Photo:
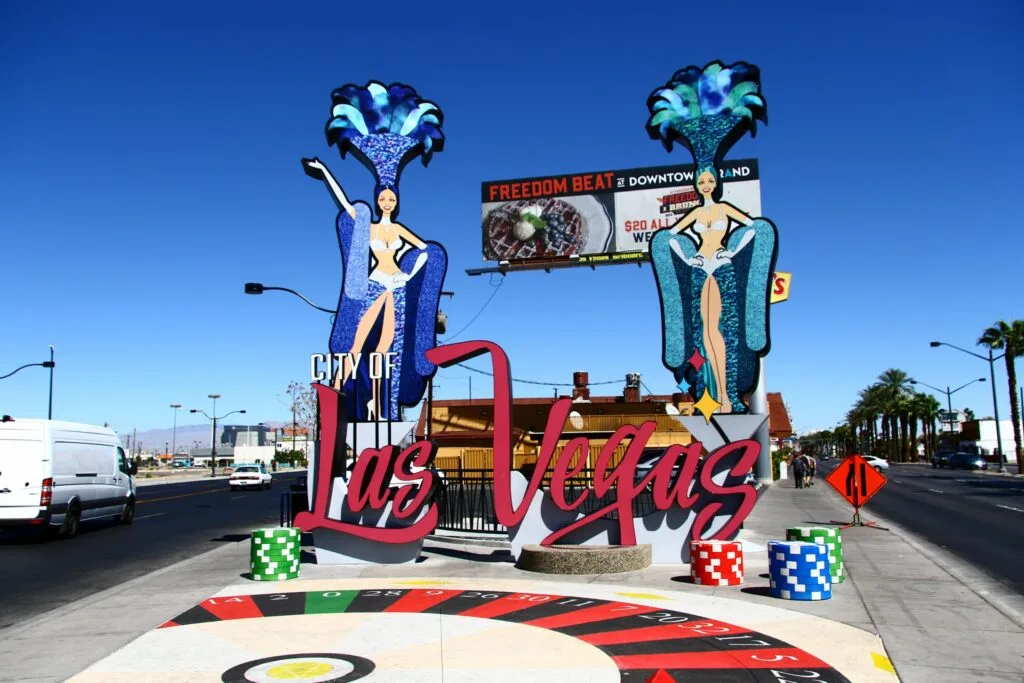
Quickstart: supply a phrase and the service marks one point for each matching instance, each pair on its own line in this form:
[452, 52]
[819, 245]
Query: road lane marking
[237, 497]
[155, 514]
[935, 491]
[1007, 507]
[183, 495]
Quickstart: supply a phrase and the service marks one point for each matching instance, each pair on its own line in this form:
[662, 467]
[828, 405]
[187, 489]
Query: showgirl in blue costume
[391, 278]
[714, 266]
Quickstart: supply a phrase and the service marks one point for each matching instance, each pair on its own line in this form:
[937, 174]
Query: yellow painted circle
[297, 670]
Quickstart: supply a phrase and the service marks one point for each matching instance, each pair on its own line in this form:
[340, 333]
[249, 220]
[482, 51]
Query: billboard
[599, 217]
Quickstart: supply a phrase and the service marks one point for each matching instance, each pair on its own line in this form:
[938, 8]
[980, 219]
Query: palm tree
[892, 384]
[928, 411]
[1010, 337]
[870, 405]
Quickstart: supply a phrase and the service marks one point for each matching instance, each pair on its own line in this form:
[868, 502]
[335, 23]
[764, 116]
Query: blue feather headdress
[707, 110]
[384, 127]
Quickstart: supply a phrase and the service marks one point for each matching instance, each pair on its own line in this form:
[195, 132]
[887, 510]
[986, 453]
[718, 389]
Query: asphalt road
[172, 522]
[978, 517]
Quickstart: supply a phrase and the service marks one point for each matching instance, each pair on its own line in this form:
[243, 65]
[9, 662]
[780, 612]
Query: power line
[478, 313]
[543, 384]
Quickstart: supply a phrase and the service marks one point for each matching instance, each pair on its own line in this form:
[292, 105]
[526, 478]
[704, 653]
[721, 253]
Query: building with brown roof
[463, 428]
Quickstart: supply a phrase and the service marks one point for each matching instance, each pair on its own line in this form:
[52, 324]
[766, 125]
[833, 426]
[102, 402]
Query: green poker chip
[284, 576]
[257, 551]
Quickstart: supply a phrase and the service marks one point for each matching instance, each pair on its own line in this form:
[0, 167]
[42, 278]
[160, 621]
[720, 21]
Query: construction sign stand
[856, 481]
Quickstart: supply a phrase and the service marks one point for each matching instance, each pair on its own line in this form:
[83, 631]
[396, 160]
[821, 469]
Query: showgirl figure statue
[714, 266]
[392, 278]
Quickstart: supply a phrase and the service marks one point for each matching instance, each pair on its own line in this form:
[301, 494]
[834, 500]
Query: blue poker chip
[811, 552]
[800, 571]
[810, 595]
[795, 547]
[786, 581]
[800, 588]
[799, 565]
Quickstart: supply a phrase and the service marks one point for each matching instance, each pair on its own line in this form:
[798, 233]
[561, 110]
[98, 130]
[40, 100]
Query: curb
[976, 580]
[81, 603]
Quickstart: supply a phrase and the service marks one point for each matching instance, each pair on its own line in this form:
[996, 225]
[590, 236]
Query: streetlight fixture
[174, 433]
[259, 288]
[45, 364]
[213, 440]
[995, 403]
[949, 400]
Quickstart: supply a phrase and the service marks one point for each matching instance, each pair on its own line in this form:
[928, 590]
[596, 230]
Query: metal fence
[465, 500]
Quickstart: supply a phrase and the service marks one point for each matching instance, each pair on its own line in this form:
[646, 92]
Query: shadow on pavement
[683, 579]
[230, 538]
[763, 591]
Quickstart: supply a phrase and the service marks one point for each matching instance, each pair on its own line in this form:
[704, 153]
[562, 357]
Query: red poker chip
[716, 563]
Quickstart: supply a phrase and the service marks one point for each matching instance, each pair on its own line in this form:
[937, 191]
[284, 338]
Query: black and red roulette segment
[639, 639]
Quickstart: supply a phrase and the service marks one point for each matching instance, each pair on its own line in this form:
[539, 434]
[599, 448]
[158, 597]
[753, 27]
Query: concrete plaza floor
[907, 609]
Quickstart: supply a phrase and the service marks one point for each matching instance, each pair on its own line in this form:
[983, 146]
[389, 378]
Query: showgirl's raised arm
[316, 169]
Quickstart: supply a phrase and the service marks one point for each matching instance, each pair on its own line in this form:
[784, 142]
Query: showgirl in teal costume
[714, 266]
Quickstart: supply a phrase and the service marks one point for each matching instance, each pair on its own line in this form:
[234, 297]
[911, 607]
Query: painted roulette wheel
[450, 634]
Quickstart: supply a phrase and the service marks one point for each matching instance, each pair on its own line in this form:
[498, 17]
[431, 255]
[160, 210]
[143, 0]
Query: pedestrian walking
[812, 467]
[799, 471]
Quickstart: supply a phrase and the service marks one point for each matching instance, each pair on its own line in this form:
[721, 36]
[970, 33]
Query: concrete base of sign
[584, 559]
[335, 547]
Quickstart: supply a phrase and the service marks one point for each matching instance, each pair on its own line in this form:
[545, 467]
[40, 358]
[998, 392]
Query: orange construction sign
[856, 480]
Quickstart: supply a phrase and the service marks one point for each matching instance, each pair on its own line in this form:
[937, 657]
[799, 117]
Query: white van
[58, 474]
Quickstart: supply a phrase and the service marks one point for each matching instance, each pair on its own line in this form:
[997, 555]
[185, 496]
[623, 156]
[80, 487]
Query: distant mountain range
[185, 436]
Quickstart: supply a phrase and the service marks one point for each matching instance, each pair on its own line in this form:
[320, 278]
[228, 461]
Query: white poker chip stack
[799, 571]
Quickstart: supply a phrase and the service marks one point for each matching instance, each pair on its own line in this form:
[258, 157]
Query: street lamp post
[995, 403]
[213, 440]
[49, 411]
[174, 432]
[45, 364]
[949, 401]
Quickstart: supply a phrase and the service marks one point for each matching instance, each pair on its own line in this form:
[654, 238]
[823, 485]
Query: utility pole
[174, 433]
[293, 428]
[49, 414]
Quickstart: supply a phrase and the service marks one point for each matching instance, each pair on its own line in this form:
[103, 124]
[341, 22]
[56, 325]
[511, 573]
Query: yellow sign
[780, 287]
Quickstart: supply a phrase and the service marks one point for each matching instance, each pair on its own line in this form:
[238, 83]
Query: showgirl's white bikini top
[715, 225]
[394, 245]
[720, 224]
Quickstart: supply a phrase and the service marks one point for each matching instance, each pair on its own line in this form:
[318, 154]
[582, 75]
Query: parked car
[250, 477]
[878, 463]
[941, 459]
[55, 475]
[966, 461]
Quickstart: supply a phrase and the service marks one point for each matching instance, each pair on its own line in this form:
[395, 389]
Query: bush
[290, 457]
[783, 454]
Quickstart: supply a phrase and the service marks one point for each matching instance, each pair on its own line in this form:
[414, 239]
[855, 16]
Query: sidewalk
[172, 477]
[937, 620]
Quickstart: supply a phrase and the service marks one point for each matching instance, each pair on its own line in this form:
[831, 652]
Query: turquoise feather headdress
[707, 110]
[385, 126]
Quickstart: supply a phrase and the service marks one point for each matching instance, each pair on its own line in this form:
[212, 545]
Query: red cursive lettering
[374, 468]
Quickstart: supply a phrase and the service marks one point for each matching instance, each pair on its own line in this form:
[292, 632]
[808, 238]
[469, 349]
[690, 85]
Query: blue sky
[149, 166]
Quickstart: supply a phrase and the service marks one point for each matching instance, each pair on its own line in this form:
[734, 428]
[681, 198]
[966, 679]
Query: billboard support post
[759, 406]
